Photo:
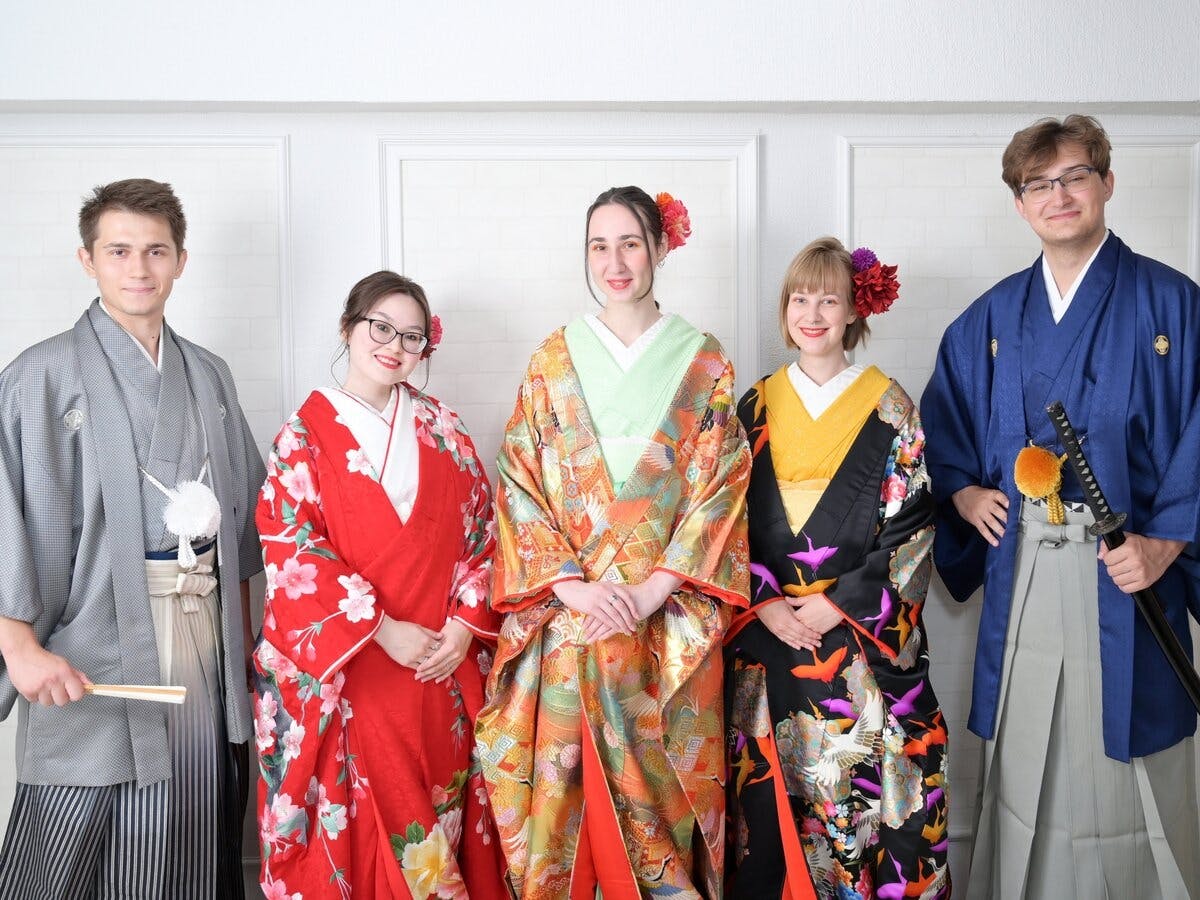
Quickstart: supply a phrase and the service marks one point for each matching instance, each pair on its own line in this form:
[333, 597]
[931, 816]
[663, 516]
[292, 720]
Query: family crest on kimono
[622, 555]
[1088, 785]
[837, 745]
[378, 534]
[127, 487]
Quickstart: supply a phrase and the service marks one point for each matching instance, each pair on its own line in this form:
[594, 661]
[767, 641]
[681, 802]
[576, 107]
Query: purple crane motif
[869, 786]
[934, 796]
[885, 613]
[840, 708]
[766, 579]
[894, 891]
[904, 706]
[813, 556]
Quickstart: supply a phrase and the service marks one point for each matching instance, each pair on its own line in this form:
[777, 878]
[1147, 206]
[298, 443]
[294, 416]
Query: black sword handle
[1108, 524]
[1108, 529]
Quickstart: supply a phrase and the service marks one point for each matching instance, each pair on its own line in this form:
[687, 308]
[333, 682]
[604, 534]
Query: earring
[662, 262]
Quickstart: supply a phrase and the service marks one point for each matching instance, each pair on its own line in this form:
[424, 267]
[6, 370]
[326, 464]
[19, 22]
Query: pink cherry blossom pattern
[359, 602]
[297, 578]
[299, 484]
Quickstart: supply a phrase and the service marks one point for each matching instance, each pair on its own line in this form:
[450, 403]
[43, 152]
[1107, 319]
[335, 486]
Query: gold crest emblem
[995, 345]
[1161, 345]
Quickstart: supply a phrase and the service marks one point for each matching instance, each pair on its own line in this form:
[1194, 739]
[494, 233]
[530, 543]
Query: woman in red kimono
[377, 535]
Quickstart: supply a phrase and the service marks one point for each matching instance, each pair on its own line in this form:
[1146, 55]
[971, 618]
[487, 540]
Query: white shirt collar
[624, 356]
[819, 397]
[1060, 303]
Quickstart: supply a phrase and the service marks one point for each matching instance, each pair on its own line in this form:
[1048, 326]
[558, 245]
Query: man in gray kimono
[128, 480]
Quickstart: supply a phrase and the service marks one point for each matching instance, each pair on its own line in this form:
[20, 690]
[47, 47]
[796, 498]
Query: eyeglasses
[1074, 181]
[384, 333]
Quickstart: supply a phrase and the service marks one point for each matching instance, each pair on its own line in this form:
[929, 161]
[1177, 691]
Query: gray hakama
[173, 838]
[1058, 818]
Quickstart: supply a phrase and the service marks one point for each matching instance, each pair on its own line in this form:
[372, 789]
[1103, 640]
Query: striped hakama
[175, 839]
[1058, 818]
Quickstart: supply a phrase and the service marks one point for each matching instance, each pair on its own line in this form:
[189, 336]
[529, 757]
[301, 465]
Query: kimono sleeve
[244, 454]
[709, 544]
[752, 410]
[471, 588]
[950, 405]
[534, 554]
[20, 597]
[882, 596]
[319, 612]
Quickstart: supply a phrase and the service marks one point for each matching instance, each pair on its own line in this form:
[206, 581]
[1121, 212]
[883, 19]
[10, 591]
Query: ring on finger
[613, 598]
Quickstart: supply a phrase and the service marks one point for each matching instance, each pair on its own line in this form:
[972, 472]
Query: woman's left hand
[648, 598]
[817, 612]
[439, 666]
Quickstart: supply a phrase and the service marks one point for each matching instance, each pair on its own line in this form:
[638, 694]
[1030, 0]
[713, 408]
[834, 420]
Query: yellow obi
[806, 452]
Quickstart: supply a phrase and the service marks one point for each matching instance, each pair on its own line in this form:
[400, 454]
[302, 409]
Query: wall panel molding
[740, 150]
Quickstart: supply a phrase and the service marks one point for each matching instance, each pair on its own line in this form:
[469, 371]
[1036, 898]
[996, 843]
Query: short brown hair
[823, 265]
[136, 195]
[1032, 149]
[370, 290]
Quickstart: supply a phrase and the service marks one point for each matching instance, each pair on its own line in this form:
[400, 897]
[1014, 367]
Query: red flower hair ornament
[435, 337]
[676, 224]
[875, 285]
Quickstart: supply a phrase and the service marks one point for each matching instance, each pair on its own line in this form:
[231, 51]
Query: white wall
[312, 145]
[288, 209]
[612, 52]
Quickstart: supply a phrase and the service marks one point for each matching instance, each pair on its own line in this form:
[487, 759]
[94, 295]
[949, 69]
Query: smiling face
[135, 263]
[1065, 220]
[817, 319]
[374, 367]
[619, 259]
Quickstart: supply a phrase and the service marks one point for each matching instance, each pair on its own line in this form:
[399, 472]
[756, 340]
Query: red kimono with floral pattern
[368, 779]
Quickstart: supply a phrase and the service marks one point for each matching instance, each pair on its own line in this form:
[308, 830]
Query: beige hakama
[1058, 818]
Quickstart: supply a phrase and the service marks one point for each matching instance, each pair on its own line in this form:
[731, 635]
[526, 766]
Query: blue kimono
[1125, 362]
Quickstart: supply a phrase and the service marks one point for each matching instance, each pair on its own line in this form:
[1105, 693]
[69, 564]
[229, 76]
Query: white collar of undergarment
[388, 439]
[819, 397]
[1059, 303]
[146, 353]
[624, 356]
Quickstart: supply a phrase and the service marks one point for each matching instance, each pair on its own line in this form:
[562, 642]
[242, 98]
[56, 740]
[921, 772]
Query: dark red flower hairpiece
[875, 285]
[435, 337]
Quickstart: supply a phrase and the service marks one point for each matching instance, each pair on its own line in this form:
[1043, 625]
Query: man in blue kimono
[128, 480]
[1088, 786]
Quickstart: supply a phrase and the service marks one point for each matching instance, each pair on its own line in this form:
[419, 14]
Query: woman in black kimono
[837, 744]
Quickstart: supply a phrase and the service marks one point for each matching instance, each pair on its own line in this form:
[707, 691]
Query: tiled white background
[228, 298]
[498, 247]
[944, 217]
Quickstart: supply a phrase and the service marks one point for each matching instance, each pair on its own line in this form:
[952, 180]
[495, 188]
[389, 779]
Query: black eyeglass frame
[1050, 182]
[405, 336]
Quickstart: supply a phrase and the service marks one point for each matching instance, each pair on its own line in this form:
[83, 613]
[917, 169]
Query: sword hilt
[1107, 522]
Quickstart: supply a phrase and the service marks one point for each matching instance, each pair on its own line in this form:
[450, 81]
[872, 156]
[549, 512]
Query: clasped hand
[615, 608]
[433, 655]
[800, 622]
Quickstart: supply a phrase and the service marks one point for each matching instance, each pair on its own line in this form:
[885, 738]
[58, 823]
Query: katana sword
[1108, 528]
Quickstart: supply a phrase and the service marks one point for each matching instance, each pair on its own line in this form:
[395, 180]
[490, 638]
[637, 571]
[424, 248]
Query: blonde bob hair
[823, 265]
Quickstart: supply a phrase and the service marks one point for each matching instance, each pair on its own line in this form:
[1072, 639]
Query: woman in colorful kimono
[377, 535]
[622, 556]
[837, 745]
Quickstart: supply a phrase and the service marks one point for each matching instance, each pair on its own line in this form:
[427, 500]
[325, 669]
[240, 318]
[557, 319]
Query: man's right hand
[38, 675]
[985, 509]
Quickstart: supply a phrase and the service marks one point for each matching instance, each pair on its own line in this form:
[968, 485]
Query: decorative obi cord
[184, 577]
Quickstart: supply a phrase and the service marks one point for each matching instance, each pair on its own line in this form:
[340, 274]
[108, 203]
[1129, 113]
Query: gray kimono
[72, 562]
